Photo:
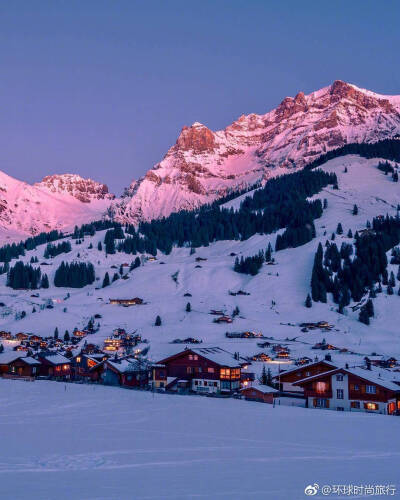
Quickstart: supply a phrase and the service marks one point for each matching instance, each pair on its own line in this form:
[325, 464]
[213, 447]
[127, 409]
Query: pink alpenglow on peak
[204, 165]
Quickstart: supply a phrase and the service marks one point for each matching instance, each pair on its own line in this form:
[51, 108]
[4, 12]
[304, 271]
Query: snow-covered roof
[9, 356]
[55, 359]
[265, 389]
[218, 355]
[378, 377]
[30, 361]
[308, 365]
[127, 365]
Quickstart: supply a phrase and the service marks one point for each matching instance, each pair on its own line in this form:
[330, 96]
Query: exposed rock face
[58, 202]
[84, 190]
[204, 165]
[197, 138]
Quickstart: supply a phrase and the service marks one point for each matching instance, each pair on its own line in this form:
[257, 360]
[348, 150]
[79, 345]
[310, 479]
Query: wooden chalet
[24, 367]
[223, 319]
[353, 389]
[127, 302]
[5, 335]
[261, 356]
[288, 378]
[6, 358]
[82, 364]
[54, 365]
[22, 336]
[381, 361]
[203, 370]
[127, 372]
[158, 378]
[260, 393]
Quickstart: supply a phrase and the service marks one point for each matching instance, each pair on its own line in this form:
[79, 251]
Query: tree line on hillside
[53, 250]
[25, 276]
[74, 275]
[387, 148]
[346, 278]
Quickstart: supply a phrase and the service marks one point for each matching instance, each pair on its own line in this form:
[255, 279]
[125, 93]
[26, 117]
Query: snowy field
[110, 443]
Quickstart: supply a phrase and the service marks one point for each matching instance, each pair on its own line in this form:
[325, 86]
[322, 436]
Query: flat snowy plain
[87, 442]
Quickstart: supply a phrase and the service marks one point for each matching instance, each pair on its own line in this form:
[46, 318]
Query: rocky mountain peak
[84, 190]
[197, 138]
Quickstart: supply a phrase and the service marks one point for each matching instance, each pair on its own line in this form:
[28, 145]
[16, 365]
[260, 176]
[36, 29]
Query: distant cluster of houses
[27, 342]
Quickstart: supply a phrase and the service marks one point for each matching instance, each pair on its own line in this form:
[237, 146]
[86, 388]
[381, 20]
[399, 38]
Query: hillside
[274, 306]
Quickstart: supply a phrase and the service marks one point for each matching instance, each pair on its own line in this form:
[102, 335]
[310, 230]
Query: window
[340, 408]
[322, 403]
[188, 369]
[339, 394]
[321, 387]
[370, 389]
[355, 404]
[225, 373]
[190, 357]
[371, 406]
[195, 357]
[78, 359]
[197, 369]
[308, 374]
[210, 369]
[205, 383]
[356, 387]
[339, 378]
[225, 384]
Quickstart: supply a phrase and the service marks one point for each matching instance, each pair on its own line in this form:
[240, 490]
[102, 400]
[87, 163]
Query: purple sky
[102, 88]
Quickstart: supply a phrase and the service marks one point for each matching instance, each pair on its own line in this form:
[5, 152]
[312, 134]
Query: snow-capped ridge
[203, 164]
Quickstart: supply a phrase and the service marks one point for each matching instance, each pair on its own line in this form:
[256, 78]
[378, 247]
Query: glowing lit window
[210, 369]
[371, 406]
[355, 404]
[78, 359]
[321, 387]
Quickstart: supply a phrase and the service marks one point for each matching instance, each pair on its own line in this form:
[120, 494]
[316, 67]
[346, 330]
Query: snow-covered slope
[58, 202]
[274, 307]
[204, 165]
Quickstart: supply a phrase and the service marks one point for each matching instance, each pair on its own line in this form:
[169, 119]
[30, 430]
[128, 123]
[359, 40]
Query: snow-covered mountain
[58, 202]
[204, 165]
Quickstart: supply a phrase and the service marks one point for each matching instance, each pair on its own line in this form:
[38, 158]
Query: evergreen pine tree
[355, 210]
[363, 316]
[188, 307]
[350, 234]
[66, 336]
[56, 333]
[263, 378]
[308, 302]
[158, 321]
[99, 246]
[106, 280]
[339, 229]
[390, 290]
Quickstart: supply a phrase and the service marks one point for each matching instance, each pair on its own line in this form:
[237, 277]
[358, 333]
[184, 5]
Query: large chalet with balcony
[353, 389]
[287, 379]
[208, 370]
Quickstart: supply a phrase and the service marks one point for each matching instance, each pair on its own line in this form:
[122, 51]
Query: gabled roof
[376, 377]
[265, 389]
[127, 365]
[55, 359]
[214, 354]
[8, 357]
[302, 367]
[29, 360]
